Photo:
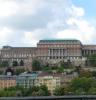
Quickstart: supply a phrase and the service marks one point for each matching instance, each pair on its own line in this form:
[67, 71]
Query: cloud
[29, 39]
[74, 34]
[72, 26]
[21, 7]
[32, 14]
[81, 24]
[79, 29]
[32, 20]
[5, 35]
[76, 11]
[7, 8]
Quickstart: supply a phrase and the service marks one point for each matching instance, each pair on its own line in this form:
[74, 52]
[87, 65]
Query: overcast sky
[25, 22]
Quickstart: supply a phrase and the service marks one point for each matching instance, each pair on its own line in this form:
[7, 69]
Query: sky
[25, 22]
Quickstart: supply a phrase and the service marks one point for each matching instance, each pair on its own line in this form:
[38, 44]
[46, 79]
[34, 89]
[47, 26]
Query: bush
[36, 65]
[18, 71]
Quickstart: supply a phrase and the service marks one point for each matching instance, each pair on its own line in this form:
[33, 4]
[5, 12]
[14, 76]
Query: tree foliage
[21, 63]
[81, 83]
[36, 66]
[15, 63]
[78, 86]
[20, 91]
[85, 73]
[4, 63]
[65, 65]
[19, 70]
[59, 91]
[92, 60]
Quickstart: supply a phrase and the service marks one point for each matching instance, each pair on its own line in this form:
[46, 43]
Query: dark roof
[6, 77]
[9, 70]
[72, 41]
[50, 74]
[89, 47]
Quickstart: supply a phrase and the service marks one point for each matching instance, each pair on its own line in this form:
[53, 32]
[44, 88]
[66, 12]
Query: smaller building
[50, 80]
[67, 78]
[9, 71]
[7, 81]
[54, 80]
[27, 80]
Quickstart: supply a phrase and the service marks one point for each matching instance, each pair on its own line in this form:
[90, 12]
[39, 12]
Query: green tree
[92, 91]
[5, 64]
[47, 69]
[34, 93]
[1, 72]
[7, 93]
[0, 63]
[2, 93]
[41, 92]
[80, 91]
[60, 69]
[44, 90]
[78, 69]
[81, 84]
[36, 66]
[92, 60]
[59, 91]
[21, 63]
[18, 93]
[18, 71]
[84, 73]
[65, 65]
[26, 92]
[15, 63]
[94, 73]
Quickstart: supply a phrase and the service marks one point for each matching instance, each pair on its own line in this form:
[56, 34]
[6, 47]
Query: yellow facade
[50, 81]
[53, 81]
[7, 82]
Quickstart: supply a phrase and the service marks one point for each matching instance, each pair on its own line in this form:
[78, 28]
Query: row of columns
[57, 52]
[88, 52]
[64, 52]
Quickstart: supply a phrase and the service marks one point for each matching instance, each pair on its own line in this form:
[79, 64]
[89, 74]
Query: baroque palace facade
[51, 51]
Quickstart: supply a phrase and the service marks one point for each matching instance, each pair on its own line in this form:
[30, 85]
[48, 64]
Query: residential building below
[27, 80]
[7, 81]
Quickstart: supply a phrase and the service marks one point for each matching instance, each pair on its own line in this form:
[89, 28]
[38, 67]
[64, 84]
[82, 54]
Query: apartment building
[27, 80]
[51, 81]
[55, 80]
[7, 81]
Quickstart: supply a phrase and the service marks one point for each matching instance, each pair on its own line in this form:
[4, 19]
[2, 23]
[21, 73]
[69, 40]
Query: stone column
[52, 53]
[59, 53]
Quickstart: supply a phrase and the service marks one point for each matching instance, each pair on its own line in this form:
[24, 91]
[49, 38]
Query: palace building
[51, 51]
